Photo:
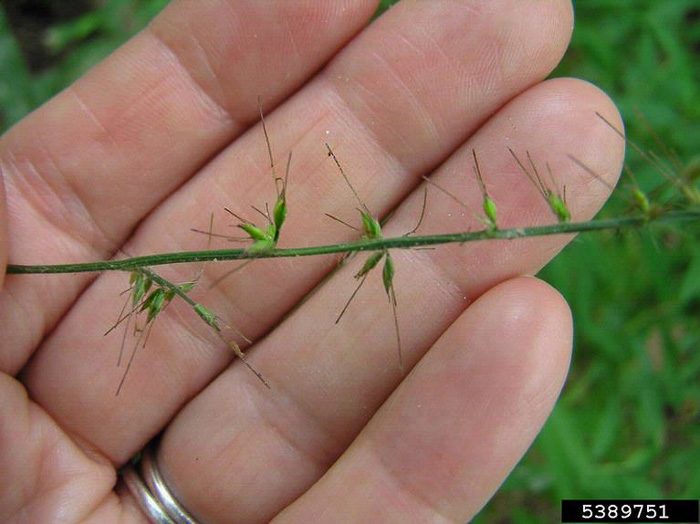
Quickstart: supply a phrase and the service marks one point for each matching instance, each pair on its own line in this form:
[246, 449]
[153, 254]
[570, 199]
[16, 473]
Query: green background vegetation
[628, 422]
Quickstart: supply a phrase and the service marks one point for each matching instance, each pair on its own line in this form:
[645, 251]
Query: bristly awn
[555, 200]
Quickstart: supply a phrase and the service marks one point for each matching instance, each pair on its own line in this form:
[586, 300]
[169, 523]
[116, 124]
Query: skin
[164, 132]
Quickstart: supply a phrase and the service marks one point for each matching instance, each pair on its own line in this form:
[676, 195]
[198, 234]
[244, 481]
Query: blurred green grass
[77, 44]
[628, 422]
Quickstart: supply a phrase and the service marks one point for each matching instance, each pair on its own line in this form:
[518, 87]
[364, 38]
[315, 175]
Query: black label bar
[630, 511]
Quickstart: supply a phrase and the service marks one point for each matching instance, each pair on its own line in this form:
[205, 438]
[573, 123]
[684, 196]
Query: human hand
[149, 143]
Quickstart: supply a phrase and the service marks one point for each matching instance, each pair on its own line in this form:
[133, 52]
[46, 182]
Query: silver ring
[158, 487]
[152, 494]
[147, 502]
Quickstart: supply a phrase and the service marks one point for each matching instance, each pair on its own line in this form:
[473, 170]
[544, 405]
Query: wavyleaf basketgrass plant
[150, 294]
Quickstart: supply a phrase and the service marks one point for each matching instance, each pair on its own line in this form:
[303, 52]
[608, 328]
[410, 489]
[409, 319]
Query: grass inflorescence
[150, 294]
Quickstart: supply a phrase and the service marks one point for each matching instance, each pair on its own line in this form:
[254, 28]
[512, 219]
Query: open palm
[166, 131]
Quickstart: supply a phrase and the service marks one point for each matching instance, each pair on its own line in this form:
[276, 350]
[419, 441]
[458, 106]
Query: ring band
[158, 487]
[151, 492]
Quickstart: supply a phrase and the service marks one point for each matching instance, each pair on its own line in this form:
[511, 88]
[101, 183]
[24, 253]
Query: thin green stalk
[402, 242]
